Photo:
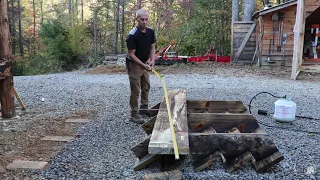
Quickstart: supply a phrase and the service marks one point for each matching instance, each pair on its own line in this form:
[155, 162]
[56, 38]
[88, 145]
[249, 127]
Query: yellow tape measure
[174, 139]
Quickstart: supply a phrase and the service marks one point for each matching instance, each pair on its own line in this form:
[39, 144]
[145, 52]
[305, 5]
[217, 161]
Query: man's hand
[151, 63]
[147, 67]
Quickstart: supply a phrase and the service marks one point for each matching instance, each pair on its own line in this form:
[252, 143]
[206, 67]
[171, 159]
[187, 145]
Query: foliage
[65, 45]
[65, 38]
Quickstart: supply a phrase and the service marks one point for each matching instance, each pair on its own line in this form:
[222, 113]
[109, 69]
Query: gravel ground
[103, 149]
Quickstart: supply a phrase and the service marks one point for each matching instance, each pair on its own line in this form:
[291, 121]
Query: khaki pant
[139, 83]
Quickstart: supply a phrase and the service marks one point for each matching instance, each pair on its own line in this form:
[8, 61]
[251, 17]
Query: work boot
[136, 118]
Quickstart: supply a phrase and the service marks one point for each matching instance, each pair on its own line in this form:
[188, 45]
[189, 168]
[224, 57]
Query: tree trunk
[116, 28]
[138, 4]
[6, 85]
[95, 35]
[82, 12]
[13, 28]
[34, 18]
[122, 27]
[20, 30]
[248, 9]
[41, 11]
[235, 10]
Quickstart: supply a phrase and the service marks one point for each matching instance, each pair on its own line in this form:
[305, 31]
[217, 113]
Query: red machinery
[209, 56]
[166, 56]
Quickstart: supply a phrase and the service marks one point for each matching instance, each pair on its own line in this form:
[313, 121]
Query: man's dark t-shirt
[141, 42]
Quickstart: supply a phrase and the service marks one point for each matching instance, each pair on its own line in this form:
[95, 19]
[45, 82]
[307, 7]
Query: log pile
[208, 131]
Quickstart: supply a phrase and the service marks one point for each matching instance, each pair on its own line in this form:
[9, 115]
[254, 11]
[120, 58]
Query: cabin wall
[311, 6]
[288, 26]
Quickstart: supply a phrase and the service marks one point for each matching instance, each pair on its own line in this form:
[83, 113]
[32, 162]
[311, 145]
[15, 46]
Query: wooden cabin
[272, 34]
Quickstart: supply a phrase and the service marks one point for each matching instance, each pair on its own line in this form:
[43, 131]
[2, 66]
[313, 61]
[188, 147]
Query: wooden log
[161, 138]
[221, 122]
[141, 149]
[239, 161]
[146, 160]
[215, 106]
[148, 126]
[168, 175]
[207, 161]
[7, 98]
[6, 84]
[267, 162]
[231, 145]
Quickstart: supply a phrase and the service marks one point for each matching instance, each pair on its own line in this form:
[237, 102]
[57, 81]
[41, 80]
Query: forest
[63, 35]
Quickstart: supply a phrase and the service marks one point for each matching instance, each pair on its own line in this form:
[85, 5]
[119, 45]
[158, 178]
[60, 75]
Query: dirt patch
[222, 69]
[107, 69]
[20, 138]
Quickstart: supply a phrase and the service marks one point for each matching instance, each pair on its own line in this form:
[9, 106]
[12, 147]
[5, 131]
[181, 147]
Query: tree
[116, 28]
[20, 30]
[122, 26]
[235, 10]
[6, 85]
[248, 9]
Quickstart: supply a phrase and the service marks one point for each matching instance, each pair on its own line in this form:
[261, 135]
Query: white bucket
[284, 110]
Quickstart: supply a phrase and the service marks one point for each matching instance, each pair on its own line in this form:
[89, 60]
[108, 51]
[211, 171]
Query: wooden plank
[239, 161]
[19, 164]
[276, 58]
[148, 126]
[221, 122]
[298, 39]
[168, 175]
[58, 138]
[141, 149]
[244, 42]
[267, 162]
[161, 138]
[231, 145]
[194, 106]
[207, 161]
[242, 26]
[146, 160]
[243, 22]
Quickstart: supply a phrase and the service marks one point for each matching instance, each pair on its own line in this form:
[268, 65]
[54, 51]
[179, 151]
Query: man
[141, 46]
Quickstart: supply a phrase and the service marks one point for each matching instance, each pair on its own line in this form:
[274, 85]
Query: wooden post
[6, 84]
[298, 39]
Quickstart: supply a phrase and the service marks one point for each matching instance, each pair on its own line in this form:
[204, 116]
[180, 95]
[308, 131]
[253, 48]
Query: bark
[20, 30]
[122, 26]
[116, 28]
[235, 10]
[34, 18]
[6, 85]
[41, 10]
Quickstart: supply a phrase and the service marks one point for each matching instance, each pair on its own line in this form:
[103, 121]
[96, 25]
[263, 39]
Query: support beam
[299, 28]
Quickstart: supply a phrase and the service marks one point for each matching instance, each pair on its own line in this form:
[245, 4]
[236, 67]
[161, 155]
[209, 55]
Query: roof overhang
[275, 8]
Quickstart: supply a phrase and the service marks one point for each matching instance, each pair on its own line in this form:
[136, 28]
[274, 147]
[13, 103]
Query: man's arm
[136, 59]
[152, 54]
